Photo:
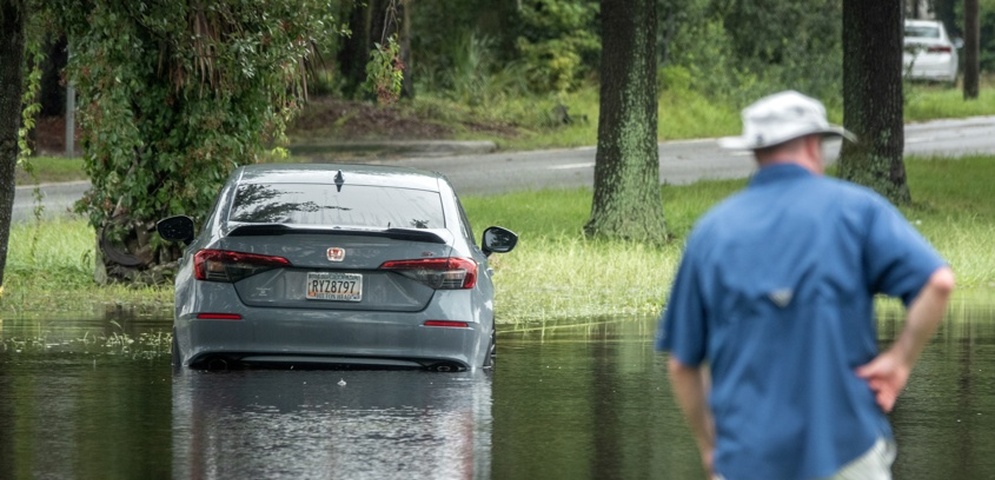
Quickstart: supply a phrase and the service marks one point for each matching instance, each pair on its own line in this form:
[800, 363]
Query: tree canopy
[173, 96]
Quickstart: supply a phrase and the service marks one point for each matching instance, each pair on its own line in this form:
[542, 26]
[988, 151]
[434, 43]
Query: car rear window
[353, 206]
[922, 31]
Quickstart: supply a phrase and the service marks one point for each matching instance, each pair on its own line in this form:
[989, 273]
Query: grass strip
[555, 274]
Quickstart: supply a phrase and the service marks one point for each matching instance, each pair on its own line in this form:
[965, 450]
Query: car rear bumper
[936, 69]
[295, 337]
[935, 74]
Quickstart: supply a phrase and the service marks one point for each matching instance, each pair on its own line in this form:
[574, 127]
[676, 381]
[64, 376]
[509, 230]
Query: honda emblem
[335, 254]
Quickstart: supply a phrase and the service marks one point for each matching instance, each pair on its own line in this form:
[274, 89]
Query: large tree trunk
[355, 51]
[627, 200]
[972, 47]
[12, 13]
[872, 97]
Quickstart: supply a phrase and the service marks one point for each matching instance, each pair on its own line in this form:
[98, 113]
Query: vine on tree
[385, 71]
[36, 34]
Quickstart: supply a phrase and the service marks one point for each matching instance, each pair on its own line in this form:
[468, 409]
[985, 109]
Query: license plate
[341, 287]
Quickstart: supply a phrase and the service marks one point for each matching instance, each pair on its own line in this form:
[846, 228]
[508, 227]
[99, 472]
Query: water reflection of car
[331, 425]
[929, 52]
[335, 264]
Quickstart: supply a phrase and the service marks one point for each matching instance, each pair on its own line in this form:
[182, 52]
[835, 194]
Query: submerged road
[681, 162]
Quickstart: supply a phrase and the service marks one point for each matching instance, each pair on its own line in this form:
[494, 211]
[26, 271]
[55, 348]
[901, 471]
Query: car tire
[491, 350]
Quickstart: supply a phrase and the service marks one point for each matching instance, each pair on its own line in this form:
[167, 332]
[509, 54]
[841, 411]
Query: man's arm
[888, 373]
[690, 386]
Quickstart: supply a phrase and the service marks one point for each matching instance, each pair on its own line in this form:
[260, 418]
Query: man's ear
[813, 149]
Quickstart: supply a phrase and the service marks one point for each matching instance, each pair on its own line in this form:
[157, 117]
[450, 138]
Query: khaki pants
[875, 464]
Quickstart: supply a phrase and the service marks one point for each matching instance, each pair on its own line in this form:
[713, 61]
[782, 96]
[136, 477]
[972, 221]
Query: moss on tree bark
[627, 201]
[872, 98]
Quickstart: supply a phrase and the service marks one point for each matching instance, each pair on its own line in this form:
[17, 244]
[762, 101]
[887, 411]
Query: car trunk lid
[336, 268]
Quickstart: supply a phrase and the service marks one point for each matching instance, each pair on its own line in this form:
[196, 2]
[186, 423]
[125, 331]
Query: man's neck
[805, 152]
[804, 161]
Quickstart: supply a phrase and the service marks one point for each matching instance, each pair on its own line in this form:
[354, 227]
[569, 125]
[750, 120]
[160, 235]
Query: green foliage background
[951, 13]
[731, 51]
[739, 51]
[174, 95]
[728, 50]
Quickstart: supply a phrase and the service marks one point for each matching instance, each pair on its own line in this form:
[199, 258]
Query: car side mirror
[958, 43]
[178, 228]
[498, 240]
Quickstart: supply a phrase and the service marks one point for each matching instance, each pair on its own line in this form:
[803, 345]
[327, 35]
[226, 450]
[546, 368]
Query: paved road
[57, 198]
[680, 162]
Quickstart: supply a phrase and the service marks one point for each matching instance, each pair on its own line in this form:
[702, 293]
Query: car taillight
[439, 273]
[446, 324]
[228, 266]
[940, 49]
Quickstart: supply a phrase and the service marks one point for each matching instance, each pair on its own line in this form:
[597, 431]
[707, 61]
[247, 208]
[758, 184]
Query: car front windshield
[325, 205]
[922, 31]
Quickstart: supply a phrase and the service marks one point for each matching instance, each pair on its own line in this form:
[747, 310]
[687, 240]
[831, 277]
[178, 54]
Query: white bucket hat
[781, 117]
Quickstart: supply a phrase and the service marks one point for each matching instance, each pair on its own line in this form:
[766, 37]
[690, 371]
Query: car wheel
[491, 350]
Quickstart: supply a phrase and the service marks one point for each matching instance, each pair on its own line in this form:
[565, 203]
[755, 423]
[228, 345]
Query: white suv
[929, 53]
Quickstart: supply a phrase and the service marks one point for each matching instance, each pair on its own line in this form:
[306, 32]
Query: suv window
[353, 206]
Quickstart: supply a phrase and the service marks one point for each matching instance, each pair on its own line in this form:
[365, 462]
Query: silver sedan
[303, 265]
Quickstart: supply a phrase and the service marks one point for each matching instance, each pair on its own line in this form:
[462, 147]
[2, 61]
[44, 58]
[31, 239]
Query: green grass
[49, 272]
[929, 102]
[691, 115]
[954, 209]
[49, 169]
[554, 274]
[682, 114]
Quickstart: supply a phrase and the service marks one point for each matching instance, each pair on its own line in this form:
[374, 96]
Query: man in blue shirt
[770, 323]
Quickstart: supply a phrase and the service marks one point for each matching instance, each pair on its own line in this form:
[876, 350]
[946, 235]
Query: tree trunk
[52, 96]
[355, 51]
[972, 49]
[872, 97]
[627, 200]
[12, 17]
[408, 82]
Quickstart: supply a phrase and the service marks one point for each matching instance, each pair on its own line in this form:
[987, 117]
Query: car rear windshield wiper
[410, 234]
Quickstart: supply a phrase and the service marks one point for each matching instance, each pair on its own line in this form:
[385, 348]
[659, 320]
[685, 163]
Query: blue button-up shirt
[776, 293]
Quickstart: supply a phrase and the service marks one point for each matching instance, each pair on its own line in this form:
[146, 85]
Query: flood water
[574, 403]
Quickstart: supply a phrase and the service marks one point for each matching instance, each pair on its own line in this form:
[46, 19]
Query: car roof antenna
[339, 181]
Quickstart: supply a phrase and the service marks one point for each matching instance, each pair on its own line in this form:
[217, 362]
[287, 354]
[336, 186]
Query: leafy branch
[385, 71]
